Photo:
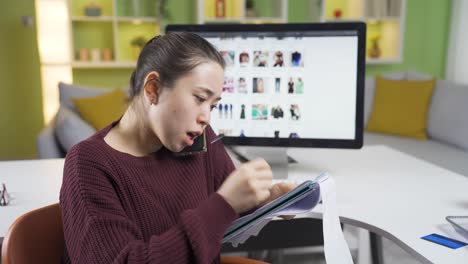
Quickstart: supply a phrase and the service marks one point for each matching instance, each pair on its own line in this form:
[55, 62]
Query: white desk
[387, 192]
[32, 184]
[392, 194]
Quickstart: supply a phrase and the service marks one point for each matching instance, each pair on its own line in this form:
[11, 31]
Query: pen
[217, 138]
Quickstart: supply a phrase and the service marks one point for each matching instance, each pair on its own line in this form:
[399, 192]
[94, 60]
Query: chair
[37, 237]
[239, 260]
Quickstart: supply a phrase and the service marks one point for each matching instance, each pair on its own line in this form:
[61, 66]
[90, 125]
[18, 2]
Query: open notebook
[300, 200]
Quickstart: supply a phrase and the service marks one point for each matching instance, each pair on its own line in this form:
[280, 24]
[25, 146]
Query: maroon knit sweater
[118, 208]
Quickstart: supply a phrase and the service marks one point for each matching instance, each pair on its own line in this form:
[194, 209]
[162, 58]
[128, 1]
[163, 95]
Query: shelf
[384, 61]
[367, 19]
[92, 34]
[92, 19]
[120, 23]
[77, 7]
[234, 11]
[384, 18]
[223, 20]
[389, 36]
[344, 20]
[263, 20]
[128, 31]
[249, 20]
[110, 19]
[385, 25]
[103, 64]
[137, 20]
[348, 10]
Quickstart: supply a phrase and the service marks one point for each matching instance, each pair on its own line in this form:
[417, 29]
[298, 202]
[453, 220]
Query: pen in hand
[220, 136]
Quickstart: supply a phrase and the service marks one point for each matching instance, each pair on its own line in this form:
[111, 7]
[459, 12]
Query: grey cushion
[448, 119]
[70, 128]
[47, 145]
[68, 91]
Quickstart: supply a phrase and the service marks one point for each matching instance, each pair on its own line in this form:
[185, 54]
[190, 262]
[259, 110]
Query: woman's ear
[152, 87]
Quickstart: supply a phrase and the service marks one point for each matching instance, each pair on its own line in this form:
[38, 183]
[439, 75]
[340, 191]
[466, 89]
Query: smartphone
[198, 146]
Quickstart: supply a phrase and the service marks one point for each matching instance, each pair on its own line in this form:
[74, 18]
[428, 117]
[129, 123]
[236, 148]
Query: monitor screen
[298, 85]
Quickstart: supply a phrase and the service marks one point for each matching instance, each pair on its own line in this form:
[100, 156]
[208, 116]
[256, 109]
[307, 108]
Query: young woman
[127, 198]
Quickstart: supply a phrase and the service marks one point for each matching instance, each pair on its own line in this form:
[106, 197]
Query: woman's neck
[131, 135]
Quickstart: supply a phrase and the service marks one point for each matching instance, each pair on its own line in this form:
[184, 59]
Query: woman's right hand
[248, 186]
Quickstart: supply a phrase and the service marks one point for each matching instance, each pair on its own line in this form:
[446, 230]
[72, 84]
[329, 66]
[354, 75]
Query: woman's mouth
[191, 136]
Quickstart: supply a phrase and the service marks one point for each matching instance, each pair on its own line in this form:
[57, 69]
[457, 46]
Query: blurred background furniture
[447, 127]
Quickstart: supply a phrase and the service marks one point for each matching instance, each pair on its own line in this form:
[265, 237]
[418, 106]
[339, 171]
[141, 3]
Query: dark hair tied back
[172, 56]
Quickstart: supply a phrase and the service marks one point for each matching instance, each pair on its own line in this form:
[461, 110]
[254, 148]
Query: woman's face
[183, 111]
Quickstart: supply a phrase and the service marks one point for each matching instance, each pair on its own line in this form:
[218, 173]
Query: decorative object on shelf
[375, 51]
[137, 44]
[95, 54]
[250, 10]
[220, 8]
[337, 13]
[106, 54]
[93, 9]
[83, 54]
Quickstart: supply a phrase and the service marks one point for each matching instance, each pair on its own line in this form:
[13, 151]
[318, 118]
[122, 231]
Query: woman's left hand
[278, 190]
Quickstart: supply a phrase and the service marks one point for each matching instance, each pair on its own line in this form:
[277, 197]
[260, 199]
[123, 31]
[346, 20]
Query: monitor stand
[277, 157]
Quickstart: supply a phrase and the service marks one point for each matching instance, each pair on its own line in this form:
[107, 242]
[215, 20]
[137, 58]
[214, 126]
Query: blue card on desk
[444, 241]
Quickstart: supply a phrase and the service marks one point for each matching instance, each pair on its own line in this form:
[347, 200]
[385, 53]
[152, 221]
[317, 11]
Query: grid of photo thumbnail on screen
[263, 58]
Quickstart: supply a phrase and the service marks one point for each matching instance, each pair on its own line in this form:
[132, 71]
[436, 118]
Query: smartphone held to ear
[198, 146]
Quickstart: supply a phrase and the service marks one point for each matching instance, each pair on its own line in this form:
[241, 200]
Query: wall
[20, 84]
[426, 35]
[457, 57]
[426, 38]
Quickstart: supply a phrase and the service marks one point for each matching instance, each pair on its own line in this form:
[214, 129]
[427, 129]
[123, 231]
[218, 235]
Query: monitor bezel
[358, 27]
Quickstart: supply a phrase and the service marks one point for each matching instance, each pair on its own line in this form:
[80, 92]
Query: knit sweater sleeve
[98, 230]
[221, 163]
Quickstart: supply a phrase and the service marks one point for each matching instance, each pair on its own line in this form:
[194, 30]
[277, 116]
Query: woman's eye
[200, 99]
[213, 107]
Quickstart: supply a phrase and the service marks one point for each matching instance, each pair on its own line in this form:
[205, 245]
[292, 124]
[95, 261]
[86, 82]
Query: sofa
[447, 124]
[67, 127]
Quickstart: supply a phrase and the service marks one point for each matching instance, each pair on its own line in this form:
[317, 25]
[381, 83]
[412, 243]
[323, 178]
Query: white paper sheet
[335, 246]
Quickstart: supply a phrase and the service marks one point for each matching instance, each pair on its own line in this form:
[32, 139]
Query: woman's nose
[204, 117]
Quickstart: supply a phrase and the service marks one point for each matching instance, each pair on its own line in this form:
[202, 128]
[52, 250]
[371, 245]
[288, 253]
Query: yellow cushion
[400, 107]
[101, 110]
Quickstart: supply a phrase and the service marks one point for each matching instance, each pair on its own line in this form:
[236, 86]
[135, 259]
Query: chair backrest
[35, 237]
[239, 260]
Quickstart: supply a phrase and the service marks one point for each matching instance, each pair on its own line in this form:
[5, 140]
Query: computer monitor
[289, 85]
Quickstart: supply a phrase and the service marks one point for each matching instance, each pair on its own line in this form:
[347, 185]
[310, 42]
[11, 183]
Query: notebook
[304, 197]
